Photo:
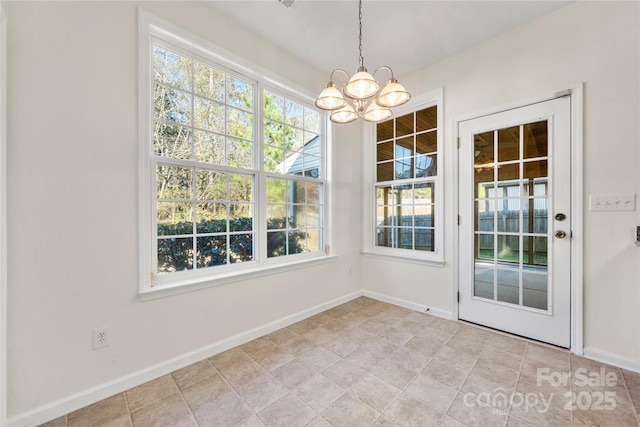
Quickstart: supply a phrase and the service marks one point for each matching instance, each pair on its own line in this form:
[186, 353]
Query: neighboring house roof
[297, 163]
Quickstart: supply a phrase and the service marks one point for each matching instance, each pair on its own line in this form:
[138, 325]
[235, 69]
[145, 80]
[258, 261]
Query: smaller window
[406, 190]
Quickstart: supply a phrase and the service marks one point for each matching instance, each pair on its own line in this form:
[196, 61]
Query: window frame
[153, 30]
[435, 257]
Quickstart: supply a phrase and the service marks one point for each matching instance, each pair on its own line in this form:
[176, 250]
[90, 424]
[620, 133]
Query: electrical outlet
[101, 337]
[611, 202]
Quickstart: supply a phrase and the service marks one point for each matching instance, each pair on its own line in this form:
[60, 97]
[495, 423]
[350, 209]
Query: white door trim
[575, 93]
[3, 216]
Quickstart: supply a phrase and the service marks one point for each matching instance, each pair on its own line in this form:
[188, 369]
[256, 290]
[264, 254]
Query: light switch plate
[612, 202]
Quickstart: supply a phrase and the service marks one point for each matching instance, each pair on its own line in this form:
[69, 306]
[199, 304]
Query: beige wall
[72, 184]
[592, 42]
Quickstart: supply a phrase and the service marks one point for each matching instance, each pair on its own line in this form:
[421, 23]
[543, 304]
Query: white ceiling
[405, 35]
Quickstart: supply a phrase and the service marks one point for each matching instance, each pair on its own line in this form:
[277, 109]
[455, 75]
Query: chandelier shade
[345, 114]
[362, 85]
[361, 96]
[330, 98]
[376, 113]
[393, 94]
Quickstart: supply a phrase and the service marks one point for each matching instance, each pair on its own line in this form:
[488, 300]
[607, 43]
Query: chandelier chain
[360, 32]
[361, 96]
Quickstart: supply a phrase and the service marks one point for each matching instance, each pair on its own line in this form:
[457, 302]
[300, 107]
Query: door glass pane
[536, 169]
[485, 215]
[540, 250]
[508, 215]
[511, 215]
[535, 140]
[484, 182]
[484, 278]
[534, 292]
[483, 149]
[508, 285]
[508, 248]
[509, 144]
[508, 176]
[484, 247]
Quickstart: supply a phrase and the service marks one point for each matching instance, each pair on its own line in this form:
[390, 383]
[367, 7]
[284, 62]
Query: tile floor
[368, 363]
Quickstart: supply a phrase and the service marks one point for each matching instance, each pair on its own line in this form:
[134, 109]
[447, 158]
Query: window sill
[260, 270]
[432, 262]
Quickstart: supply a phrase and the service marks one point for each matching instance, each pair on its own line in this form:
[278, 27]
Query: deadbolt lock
[560, 217]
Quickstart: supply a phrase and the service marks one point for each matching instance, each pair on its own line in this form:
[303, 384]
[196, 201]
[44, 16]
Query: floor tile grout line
[515, 389]
[571, 371]
[403, 390]
[459, 388]
[386, 357]
[348, 390]
[126, 401]
[292, 390]
[187, 403]
[170, 375]
[573, 363]
[478, 356]
[633, 405]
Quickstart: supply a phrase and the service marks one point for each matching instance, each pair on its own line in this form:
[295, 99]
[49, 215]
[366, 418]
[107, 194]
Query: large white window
[232, 169]
[403, 176]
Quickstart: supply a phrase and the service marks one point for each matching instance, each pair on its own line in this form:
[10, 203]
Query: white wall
[72, 154]
[72, 180]
[592, 42]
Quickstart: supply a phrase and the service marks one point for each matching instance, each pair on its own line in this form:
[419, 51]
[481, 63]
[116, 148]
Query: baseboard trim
[612, 359]
[74, 402]
[95, 394]
[408, 304]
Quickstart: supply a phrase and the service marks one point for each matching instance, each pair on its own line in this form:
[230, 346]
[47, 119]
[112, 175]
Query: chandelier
[361, 95]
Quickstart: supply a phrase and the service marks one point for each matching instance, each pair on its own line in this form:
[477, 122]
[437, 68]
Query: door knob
[560, 234]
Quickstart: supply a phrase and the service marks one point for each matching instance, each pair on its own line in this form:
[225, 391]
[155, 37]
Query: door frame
[576, 95]
[3, 215]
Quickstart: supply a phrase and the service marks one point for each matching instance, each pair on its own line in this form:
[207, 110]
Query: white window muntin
[436, 257]
[156, 160]
[155, 30]
[320, 180]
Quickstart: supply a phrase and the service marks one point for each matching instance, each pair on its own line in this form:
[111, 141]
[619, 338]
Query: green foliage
[176, 254]
[277, 135]
[204, 114]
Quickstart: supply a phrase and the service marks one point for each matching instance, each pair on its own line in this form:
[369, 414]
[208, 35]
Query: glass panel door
[511, 214]
[515, 221]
